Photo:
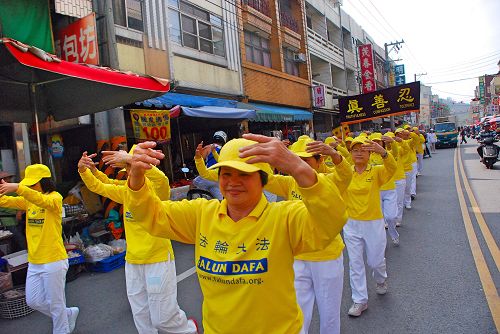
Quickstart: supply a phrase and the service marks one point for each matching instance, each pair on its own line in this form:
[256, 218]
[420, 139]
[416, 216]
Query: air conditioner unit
[299, 57]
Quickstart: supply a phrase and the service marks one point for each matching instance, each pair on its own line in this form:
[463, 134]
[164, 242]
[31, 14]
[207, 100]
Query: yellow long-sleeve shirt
[420, 146]
[43, 223]
[411, 156]
[286, 187]
[142, 248]
[400, 160]
[245, 268]
[363, 194]
[158, 178]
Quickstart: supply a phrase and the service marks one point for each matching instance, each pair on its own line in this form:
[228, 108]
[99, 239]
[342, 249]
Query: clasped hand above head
[372, 146]
[274, 152]
[144, 158]
[86, 162]
[318, 147]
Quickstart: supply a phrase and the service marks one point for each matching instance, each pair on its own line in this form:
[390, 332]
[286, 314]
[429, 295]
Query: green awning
[271, 113]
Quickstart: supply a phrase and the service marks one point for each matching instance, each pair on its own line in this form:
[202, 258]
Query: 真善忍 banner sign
[381, 103]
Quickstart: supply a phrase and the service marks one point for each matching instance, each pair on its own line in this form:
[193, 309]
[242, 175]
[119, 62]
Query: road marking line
[489, 288]
[186, 274]
[490, 241]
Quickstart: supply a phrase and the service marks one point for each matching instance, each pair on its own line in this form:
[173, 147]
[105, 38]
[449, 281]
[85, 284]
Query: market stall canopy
[33, 81]
[271, 113]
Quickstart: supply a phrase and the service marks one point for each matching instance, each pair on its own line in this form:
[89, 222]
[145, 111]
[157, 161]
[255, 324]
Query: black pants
[480, 150]
[463, 140]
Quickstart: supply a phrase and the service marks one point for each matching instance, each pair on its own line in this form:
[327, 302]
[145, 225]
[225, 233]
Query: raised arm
[201, 167]
[10, 201]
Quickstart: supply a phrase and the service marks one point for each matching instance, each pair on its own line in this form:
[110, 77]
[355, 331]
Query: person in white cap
[244, 245]
[47, 257]
[210, 153]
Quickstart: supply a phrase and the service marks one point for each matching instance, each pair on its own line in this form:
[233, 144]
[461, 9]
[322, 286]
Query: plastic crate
[109, 264]
[15, 307]
[76, 260]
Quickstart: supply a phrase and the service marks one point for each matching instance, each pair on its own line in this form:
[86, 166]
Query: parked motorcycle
[490, 152]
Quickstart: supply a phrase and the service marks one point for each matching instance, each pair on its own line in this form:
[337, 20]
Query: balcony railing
[287, 20]
[261, 6]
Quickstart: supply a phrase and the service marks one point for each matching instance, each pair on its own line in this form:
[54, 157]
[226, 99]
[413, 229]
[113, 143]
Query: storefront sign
[56, 146]
[382, 103]
[319, 96]
[481, 89]
[399, 70]
[400, 80]
[367, 68]
[78, 41]
[151, 124]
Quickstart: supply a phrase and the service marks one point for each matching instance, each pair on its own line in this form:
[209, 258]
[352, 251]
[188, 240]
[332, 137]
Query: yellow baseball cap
[329, 140]
[34, 173]
[375, 136]
[359, 140]
[415, 128]
[229, 157]
[300, 146]
[363, 134]
[349, 139]
[398, 130]
[406, 127]
[390, 134]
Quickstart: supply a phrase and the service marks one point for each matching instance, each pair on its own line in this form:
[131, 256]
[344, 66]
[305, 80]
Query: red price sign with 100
[155, 132]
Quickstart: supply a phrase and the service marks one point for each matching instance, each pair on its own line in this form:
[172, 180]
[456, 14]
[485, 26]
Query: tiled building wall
[74, 8]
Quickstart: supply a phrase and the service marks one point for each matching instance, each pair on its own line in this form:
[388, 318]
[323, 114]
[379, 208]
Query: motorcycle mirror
[185, 170]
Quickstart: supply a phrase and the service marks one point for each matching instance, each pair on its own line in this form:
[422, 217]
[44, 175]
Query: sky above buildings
[453, 41]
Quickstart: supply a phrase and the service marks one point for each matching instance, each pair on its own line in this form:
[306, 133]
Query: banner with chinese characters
[78, 41]
[318, 96]
[341, 131]
[151, 124]
[367, 68]
[382, 103]
[481, 89]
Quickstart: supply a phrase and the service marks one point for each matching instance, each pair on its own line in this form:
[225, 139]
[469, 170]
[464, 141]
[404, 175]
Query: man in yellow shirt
[400, 176]
[420, 152]
[364, 231]
[319, 276]
[388, 194]
[150, 267]
[244, 246]
[413, 141]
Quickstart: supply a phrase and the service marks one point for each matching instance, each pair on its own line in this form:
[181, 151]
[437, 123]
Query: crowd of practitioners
[268, 249]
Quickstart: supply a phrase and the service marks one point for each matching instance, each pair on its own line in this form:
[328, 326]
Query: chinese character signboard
[400, 80]
[399, 70]
[151, 124]
[481, 89]
[319, 96]
[367, 68]
[382, 103]
[78, 41]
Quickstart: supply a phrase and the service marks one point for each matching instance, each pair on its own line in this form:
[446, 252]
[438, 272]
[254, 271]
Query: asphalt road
[434, 285]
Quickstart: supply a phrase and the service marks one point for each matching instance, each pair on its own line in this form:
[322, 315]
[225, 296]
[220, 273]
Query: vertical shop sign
[367, 68]
[481, 89]
[151, 124]
[319, 96]
[78, 41]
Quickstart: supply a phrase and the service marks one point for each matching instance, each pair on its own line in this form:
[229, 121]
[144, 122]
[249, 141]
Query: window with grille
[291, 66]
[257, 49]
[195, 28]
[128, 13]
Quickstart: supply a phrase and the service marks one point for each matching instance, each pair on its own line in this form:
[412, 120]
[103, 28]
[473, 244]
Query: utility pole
[338, 3]
[419, 75]
[388, 68]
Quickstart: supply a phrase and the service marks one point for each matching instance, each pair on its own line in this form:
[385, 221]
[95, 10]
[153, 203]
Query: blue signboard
[401, 80]
[399, 70]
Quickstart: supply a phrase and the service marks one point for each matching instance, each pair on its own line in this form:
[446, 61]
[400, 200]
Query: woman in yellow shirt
[244, 245]
[47, 258]
[364, 231]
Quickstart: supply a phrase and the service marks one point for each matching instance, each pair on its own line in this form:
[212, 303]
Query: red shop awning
[32, 80]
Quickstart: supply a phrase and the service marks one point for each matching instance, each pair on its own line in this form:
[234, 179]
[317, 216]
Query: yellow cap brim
[239, 165]
[30, 181]
[304, 154]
